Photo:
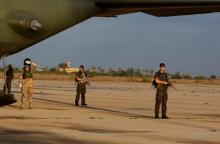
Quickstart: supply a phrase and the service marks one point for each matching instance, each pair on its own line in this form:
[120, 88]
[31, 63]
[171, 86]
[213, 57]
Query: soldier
[81, 80]
[162, 81]
[26, 80]
[9, 78]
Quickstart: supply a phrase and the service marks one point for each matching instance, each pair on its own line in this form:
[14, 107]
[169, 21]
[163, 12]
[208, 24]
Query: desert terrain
[117, 113]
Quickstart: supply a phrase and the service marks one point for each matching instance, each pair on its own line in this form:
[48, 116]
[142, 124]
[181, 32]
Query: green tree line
[123, 72]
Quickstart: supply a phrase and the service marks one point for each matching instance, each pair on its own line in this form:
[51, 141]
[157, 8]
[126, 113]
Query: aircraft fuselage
[26, 22]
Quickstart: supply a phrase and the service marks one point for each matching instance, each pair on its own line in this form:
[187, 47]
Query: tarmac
[117, 113]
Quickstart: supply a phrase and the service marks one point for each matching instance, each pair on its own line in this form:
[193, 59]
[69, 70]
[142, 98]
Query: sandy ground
[118, 113]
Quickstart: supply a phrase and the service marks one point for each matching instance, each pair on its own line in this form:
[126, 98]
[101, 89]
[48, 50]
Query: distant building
[68, 68]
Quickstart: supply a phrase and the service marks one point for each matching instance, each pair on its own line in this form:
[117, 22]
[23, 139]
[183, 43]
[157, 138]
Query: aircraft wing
[157, 7]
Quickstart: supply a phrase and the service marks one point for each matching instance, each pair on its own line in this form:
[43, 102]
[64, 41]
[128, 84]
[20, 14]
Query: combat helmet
[27, 62]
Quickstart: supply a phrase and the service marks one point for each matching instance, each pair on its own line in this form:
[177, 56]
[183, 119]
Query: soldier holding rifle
[161, 82]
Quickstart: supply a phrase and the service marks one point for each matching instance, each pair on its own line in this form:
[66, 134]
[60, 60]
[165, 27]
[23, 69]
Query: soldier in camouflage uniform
[163, 83]
[81, 80]
[26, 80]
[9, 78]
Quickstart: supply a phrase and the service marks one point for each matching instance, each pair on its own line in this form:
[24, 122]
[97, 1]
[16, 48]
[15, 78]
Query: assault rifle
[170, 84]
[86, 81]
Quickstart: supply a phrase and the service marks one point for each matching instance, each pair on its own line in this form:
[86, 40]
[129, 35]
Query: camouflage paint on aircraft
[26, 22]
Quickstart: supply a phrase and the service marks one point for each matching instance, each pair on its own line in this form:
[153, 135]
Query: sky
[189, 44]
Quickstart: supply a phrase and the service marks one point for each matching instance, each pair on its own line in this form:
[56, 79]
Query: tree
[121, 72]
[213, 77]
[53, 69]
[146, 72]
[112, 72]
[16, 69]
[130, 71]
[137, 72]
[177, 75]
[45, 69]
[93, 68]
[63, 65]
[151, 72]
[187, 76]
[101, 70]
[200, 77]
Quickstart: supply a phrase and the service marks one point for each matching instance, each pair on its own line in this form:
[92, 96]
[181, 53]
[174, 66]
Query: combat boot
[30, 106]
[22, 106]
[165, 117]
[85, 105]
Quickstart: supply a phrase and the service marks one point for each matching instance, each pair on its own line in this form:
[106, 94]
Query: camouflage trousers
[7, 86]
[26, 90]
[81, 91]
[161, 98]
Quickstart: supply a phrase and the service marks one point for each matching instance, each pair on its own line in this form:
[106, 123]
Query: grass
[65, 76]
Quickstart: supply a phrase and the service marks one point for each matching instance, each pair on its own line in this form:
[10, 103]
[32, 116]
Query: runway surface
[117, 113]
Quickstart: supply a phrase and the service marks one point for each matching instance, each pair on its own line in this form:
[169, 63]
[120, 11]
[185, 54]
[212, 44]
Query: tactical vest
[82, 76]
[27, 74]
[162, 77]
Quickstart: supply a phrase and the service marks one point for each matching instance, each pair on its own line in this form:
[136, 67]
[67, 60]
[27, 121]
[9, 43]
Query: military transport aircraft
[26, 22]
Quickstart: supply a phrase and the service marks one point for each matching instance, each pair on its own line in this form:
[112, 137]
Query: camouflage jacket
[162, 77]
[81, 76]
